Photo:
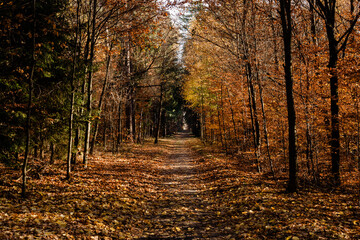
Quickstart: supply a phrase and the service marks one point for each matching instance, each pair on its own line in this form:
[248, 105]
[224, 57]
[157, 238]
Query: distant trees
[235, 58]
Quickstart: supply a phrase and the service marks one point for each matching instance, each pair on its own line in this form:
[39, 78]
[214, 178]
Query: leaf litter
[178, 189]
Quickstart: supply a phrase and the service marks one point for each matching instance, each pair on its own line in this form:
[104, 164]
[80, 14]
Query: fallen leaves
[259, 209]
[155, 191]
[104, 201]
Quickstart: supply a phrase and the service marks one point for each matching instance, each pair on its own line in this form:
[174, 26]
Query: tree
[28, 115]
[337, 43]
[286, 23]
[72, 85]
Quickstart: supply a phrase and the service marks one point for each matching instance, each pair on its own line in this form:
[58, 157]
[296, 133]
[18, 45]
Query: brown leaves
[256, 208]
[99, 201]
[161, 191]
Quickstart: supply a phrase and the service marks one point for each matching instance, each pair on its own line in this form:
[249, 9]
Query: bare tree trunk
[220, 130]
[52, 152]
[254, 119]
[285, 13]
[266, 137]
[71, 120]
[41, 142]
[158, 123]
[223, 116]
[119, 138]
[28, 117]
[108, 60]
[104, 132]
[89, 87]
[72, 96]
[233, 118]
[76, 145]
[140, 132]
[202, 118]
[336, 43]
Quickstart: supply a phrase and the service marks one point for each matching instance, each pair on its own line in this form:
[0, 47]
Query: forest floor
[178, 189]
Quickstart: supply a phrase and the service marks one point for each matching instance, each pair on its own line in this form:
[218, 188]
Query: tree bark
[52, 152]
[253, 114]
[285, 13]
[72, 96]
[266, 135]
[233, 118]
[328, 11]
[28, 115]
[108, 60]
[119, 137]
[158, 123]
[89, 87]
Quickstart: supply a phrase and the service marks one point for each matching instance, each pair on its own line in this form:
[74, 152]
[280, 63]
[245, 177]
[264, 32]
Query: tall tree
[72, 85]
[337, 43]
[286, 24]
[90, 82]
[28, 117]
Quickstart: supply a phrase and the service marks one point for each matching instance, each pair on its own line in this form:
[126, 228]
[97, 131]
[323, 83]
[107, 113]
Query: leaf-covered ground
[175, 190]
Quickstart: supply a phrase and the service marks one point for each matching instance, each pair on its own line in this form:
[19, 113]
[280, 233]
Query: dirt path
[181, 210]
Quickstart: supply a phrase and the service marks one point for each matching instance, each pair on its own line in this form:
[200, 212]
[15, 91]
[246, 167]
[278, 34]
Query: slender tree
[72, 94]
[285, 14]
[28, 117]
[102, 96]
[90, 83]
[158, 117]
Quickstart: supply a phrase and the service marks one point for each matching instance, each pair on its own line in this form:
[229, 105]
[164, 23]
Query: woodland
[179, 119]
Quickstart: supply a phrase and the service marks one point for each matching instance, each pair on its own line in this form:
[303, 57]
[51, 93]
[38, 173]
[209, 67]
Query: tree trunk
[285, 13]
[104, 132]
[158, 123]
[266, 137]
[334, 95]
[28, 115]
[72, 97]
[223, 116]
[52, 153]
[233, 118]
[71, 120]
[202, 118]
[108, 60]
[140, 132]
[89, 87]
[220, 130]
[253, 114]
[335, 130]
[328, 11]
[76, 145]
[119, 137]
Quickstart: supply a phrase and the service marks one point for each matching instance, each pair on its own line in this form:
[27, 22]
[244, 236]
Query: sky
[176, 12]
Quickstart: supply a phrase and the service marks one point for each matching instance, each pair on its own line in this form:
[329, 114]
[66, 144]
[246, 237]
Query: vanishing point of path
[181, 209]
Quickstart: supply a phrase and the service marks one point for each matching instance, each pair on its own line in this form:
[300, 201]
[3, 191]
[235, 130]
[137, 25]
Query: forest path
[181, 209]
[177, 189]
